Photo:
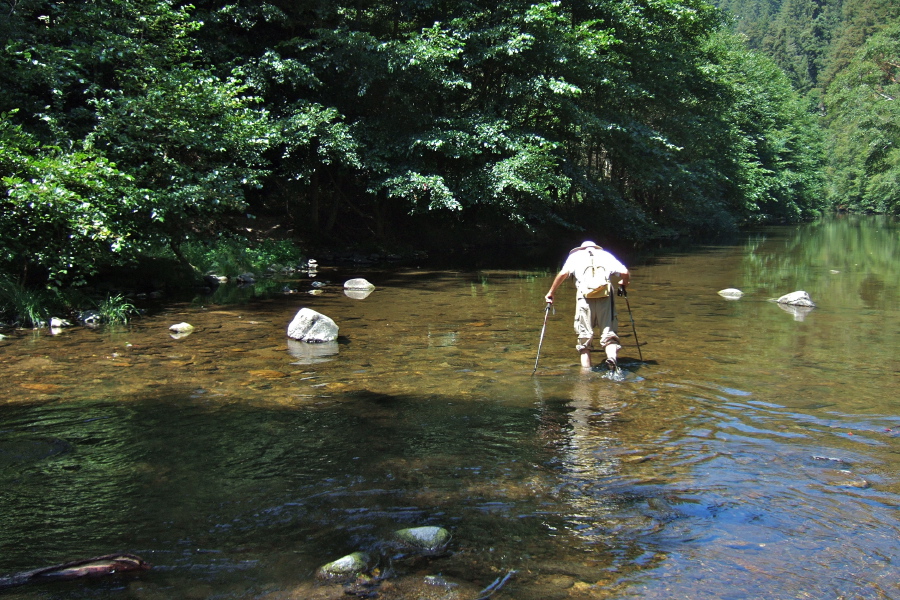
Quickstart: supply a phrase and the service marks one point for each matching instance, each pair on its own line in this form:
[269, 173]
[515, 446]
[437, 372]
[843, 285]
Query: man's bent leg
[609, 341]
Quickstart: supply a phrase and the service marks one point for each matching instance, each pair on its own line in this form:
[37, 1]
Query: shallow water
[752, 453]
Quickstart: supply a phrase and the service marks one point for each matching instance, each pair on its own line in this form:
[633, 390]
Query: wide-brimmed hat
[585, 244]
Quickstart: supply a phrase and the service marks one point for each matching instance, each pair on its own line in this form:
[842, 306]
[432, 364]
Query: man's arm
[560, 277]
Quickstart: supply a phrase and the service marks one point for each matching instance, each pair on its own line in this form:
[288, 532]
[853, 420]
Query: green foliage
[194, 143]
[116, 309]
[148, 124]
[865, 120]
[778, 172]
[23, 306]
[233, 256]
[34, 307]
[840, 52]
[59, 209]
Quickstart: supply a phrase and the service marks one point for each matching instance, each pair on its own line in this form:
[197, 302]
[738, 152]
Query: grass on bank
[22, 306]
[26, 307]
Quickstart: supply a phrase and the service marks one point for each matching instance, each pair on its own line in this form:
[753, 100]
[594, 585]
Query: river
[752, 453]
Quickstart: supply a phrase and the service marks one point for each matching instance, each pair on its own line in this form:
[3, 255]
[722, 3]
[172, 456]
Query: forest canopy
[130, 127]
[844, 57]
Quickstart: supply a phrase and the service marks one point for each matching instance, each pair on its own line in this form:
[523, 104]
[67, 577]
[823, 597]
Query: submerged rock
[357, 294]
[313, 327]
[731, 293]
[424, 539]
[90, 318]
[799, 312]
[348, 567]
[310, 354]
[799, 298]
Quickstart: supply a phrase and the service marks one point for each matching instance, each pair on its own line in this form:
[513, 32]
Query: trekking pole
[624, 292]
[541, 342]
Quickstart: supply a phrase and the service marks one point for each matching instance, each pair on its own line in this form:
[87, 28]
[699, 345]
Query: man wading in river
[595, 272]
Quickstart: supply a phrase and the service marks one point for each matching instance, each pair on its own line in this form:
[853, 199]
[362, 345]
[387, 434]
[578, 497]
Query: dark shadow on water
[169, 475]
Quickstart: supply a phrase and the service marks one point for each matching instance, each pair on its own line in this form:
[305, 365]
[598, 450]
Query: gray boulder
[799, 298]
[313, 327]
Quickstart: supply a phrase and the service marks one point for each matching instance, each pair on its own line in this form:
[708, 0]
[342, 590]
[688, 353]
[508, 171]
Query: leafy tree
[59, 210]
[124, 81]
[629, 117]
[193, 142]
[780, 159]
[865, 120]
[860, 19]
[799, 39]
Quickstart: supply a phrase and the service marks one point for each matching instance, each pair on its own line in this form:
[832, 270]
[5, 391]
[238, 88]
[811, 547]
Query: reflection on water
[752, 453]
[308, 354]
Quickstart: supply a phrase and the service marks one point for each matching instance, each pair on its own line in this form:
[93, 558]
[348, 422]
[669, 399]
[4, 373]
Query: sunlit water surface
[753, 453]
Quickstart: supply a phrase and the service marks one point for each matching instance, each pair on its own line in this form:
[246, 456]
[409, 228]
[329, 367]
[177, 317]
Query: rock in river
[799, 298]
[731, 294]
[425, 539]
[358, 284]
[358, 289]
[346, 567]
[311, 326]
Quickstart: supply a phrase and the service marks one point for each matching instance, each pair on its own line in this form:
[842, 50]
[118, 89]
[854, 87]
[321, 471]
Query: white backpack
[594, 279]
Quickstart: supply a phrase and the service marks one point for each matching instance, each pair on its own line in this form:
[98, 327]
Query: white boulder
[313, 327]
[358, 284]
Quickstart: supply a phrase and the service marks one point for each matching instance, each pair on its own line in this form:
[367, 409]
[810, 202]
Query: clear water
[753, 453]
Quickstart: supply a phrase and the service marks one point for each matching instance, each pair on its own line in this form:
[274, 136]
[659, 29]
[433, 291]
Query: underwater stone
[428, 539]
[348, 566]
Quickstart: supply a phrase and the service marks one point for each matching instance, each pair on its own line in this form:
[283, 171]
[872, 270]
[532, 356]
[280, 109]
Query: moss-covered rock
[346, 567]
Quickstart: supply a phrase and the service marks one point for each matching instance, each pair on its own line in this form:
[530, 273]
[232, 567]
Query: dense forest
[844, 57]
[134, 128]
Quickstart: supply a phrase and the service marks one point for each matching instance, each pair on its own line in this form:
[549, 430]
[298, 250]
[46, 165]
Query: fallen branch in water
[98, 566]
[494, 587]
